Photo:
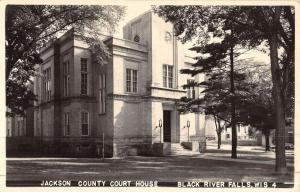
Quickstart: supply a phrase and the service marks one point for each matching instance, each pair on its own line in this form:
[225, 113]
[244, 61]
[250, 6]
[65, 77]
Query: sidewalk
[246, 154]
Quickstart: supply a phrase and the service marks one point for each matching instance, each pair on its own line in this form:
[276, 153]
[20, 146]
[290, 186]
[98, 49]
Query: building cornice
[88, 99]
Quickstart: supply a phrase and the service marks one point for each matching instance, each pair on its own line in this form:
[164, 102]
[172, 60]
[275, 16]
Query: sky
[131, 12]
[138, 9]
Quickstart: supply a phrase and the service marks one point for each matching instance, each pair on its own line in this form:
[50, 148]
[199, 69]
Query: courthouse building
[82, 103]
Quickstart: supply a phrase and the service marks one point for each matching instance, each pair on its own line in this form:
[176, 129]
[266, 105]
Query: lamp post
[160, 126]
[188, 126]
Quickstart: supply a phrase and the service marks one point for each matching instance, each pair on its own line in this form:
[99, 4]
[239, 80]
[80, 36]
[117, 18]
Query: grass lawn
[176, 168]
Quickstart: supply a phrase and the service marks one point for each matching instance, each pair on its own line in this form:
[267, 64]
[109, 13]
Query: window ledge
[132, 93]
[168, 89]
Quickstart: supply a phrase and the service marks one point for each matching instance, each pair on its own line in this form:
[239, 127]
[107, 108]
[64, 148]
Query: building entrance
[167, 126]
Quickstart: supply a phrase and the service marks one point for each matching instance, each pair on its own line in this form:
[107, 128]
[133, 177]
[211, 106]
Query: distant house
[20, 126]
[289, 134]
[19, 134]
[211, 134]
[15, 126]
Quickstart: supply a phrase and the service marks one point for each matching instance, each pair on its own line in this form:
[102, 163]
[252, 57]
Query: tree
[31, 27]
[274, 25]
[211, 104]
[261, 117]
[221, 55]
[220, 121]
[277, 25]
[258, 110]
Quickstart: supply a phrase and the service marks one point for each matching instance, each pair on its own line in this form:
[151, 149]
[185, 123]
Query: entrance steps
[177, 150]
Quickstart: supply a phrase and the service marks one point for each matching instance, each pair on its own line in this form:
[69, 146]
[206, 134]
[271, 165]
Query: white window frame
[191, 92]
[131, 81]
[67, 129]
[46, 84]
[88, 123]
[168, 80]
[67, 76]
[102, 93]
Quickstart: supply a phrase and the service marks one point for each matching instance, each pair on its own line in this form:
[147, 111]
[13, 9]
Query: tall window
[84, 123]
[18, 123]
[67, 124]
[102, 93]
[46, 84]
[67, 75]
[84, 76]
[20, 128]
[168, 76]
[131, 81]
[191, 89]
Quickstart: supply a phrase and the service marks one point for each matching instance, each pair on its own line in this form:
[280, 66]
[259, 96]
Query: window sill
[132, 93]
[168, 89]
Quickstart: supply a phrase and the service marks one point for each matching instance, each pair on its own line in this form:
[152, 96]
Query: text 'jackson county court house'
[81, 102]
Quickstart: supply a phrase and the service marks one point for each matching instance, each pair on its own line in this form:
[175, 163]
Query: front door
[167, 126]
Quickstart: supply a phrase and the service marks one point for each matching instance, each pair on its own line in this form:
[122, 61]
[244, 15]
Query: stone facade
[82, 103]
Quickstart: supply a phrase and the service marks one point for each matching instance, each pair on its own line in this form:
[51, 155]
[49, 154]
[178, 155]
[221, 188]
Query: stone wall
[131, 127]
[57, 147]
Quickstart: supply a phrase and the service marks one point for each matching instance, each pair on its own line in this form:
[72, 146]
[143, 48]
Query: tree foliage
[225, 85]
[31, 27]
[274, 25]
[258, 111]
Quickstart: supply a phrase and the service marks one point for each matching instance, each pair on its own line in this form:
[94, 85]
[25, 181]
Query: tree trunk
[233, 117]
[278, 103]
[267, 137]
[219, 140]
[220, 129]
